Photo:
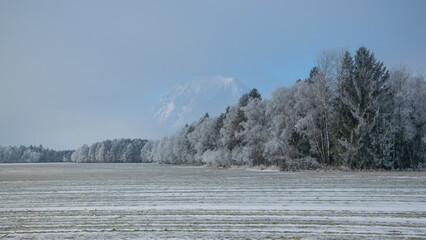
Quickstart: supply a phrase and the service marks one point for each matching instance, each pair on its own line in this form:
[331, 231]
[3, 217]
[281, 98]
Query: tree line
[350, 112]
[109, 151]
[115, 151]
[22, 154]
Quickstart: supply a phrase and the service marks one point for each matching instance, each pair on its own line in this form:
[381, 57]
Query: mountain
[189, 101]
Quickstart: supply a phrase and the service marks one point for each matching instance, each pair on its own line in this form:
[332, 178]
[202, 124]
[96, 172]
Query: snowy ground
[52, 201]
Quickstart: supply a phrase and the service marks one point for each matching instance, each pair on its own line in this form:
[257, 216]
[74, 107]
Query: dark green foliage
[216, 129]
[314, 71]
[344, 122]
[245, 98]
[362, 128]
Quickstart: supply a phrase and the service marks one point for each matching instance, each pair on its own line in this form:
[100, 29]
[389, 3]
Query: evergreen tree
[344, 122]
[368, 143]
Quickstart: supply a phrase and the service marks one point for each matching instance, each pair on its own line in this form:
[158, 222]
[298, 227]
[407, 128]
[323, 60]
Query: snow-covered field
[58, 201]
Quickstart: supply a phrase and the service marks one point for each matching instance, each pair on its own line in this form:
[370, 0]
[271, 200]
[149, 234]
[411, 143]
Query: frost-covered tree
[231, 127]
[131, 153]
[100, 152]
[277, 146]
[81, 155]
[255, 132]
[409, 118]
[369, 140]
[300, 121]
[403, 126]
[323, 81]
[184, 152]
[344, 122]
[291, 141]
[347, 112]
[231, 133]
[30, 154]
[117, 150]
[147, 151]
[418, 113]
[202, 137]
[92, 153]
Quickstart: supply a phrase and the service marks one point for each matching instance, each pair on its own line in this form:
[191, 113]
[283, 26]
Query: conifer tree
[364, 94]
[344, 122]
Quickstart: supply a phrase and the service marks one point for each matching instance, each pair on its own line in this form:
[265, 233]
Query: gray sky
[76, 72]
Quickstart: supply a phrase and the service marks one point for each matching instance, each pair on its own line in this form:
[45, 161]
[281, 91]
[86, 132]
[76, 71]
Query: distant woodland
[351, 112]
[109, 151]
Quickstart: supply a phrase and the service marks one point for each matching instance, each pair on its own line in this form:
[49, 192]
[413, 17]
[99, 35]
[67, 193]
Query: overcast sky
[76, 72]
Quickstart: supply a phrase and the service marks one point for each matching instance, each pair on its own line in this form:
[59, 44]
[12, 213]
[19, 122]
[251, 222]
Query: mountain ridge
[185, 102]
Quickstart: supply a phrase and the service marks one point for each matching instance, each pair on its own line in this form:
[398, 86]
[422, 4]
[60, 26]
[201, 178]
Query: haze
[76, 72]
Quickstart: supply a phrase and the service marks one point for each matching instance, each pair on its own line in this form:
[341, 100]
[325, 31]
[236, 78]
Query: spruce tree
[364, 136]
[344, 122]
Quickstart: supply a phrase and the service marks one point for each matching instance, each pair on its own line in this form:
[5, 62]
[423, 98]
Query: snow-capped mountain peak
[189, 101]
